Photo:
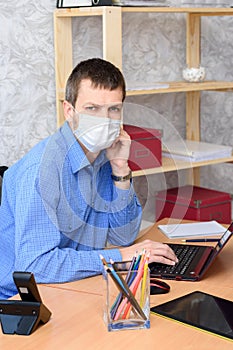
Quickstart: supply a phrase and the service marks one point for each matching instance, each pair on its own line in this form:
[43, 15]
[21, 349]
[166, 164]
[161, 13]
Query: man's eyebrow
[114, 104]
[120, 104]
[93, 104]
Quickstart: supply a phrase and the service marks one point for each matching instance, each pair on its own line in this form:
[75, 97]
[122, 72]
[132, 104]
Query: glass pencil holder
[126, 299]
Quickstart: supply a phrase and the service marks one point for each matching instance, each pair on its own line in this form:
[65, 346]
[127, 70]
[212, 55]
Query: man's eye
[115, 109]
[91, 108]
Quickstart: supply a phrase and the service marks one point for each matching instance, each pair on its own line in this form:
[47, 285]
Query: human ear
[68, 111]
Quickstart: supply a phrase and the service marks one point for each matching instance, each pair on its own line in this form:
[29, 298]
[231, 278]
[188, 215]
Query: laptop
[194, 260]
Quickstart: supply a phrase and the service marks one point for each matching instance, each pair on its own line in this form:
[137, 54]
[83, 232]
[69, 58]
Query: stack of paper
[141, 3]
[207, 3]
[204, 228]
[195, 151]
[146, 86]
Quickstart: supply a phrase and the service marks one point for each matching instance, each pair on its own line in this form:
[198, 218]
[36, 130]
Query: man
[72, 194]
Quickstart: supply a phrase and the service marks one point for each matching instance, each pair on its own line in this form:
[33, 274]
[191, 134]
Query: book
[195, 151]
[194, 229]
[73, 3]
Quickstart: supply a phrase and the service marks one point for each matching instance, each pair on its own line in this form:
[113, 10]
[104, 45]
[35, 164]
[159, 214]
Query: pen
[201, 240]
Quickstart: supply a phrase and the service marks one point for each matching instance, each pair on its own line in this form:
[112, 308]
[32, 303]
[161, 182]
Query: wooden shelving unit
[112, 51]
[170, 164]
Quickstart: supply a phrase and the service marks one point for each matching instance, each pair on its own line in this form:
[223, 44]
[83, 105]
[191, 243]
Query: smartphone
[26, 285]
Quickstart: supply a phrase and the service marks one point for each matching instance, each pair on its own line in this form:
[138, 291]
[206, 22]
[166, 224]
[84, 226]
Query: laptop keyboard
[185, 255]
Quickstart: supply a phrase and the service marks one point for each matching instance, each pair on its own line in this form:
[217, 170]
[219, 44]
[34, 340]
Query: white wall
[153, 50]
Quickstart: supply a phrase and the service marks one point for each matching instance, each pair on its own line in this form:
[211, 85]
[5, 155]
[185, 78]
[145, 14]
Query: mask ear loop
[122, 118]
[73, 123]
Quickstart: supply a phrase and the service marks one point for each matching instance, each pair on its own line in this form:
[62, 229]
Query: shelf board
[182, 86]
[169, 164]
[79, 11]
[98, 10]
[176, 87]
[201, 11]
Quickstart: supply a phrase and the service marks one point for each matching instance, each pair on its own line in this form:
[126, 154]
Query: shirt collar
[76, 155]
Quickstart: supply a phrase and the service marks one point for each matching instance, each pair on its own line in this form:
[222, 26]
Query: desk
[220, 273]
[77, 322]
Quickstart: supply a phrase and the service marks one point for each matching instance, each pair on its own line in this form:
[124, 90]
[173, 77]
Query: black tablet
[201, 310]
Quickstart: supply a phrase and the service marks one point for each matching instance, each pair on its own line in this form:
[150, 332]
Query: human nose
[106, 112]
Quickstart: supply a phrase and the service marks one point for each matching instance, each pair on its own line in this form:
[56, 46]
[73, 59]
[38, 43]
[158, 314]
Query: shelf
[182, 86]
[201, 11]
[179, 86]
[98, 10]
[169, 164]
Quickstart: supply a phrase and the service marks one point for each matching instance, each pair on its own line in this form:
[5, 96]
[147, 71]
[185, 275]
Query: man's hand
[118, 154]
[159, 252]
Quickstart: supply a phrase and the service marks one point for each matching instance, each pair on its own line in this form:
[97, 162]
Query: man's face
[98, 101]
[95, 119]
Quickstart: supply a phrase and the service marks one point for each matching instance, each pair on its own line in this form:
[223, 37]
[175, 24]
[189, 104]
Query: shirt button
[106, 207]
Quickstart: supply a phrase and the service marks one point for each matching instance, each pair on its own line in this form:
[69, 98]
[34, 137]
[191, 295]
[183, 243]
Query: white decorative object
[194, 74]
[205, 3]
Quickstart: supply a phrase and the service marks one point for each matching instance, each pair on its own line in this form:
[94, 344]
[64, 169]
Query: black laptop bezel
[214, 251]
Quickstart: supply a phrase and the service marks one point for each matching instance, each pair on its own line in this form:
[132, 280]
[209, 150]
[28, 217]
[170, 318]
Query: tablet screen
[200, 310]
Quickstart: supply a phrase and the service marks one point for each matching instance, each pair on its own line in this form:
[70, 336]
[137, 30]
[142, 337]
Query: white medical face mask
[97, 133]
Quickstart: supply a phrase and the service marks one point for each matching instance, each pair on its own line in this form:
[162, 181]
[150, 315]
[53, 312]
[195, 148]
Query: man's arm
[42, 248]
[125, 217]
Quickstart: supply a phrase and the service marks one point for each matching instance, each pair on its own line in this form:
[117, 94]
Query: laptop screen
[225, 237]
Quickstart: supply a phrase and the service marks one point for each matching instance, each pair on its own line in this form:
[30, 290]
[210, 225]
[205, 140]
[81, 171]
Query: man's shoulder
[49, 153]
[34, 154]
[30, 161]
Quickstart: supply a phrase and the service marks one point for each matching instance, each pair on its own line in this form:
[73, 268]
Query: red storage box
[146, 149]
[194, 203]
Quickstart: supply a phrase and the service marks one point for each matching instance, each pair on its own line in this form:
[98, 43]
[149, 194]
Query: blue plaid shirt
[59, 212]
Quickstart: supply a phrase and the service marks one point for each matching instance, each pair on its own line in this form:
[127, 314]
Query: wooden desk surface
[220, 273]
[77, 316]
[77, 323]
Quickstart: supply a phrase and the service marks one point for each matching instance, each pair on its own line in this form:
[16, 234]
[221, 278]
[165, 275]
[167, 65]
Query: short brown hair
[101, 73]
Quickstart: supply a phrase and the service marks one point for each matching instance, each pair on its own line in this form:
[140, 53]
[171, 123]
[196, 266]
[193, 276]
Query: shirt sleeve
[125, 217]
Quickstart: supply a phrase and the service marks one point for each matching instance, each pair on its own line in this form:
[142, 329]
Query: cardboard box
[146, 149]
[194, 203]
